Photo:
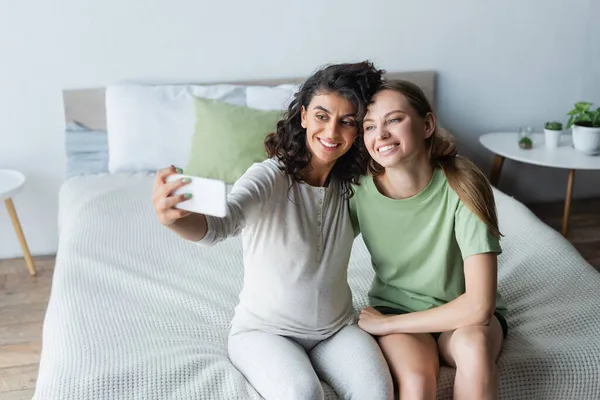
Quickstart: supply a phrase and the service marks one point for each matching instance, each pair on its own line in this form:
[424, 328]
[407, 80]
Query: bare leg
[473, 352]
[414, 362]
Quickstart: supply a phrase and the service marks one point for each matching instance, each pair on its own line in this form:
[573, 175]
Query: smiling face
[330, 123]
[394, 132]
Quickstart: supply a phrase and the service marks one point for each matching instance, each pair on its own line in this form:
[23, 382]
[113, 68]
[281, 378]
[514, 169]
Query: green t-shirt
[418, 244]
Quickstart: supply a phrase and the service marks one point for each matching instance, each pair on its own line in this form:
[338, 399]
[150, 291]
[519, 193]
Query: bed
[136, 312]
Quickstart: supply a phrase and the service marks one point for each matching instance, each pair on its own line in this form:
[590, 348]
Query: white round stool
[11, 183]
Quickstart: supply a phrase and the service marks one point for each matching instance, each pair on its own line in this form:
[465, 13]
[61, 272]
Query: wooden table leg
[19, 231]
[565, 222]
[496, 169]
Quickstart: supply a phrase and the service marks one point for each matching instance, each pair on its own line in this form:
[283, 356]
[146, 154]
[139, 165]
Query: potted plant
[585, 124]
[552, 131]
[525, 137]
[525, 143]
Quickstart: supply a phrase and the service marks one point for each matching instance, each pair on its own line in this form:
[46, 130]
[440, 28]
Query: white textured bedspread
[138, 313]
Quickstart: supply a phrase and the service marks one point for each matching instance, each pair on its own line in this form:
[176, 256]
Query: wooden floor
[23, 298]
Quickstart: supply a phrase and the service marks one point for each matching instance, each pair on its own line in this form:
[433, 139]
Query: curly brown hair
[356, 82]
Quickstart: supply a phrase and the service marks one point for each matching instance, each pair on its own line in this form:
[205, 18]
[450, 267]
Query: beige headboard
[86, 106]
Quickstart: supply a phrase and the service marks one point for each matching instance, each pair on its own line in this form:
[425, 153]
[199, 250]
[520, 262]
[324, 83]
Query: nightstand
[11, 183]
[505, 145]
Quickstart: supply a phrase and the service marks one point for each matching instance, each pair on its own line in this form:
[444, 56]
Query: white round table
[11, 183]
[506, 145]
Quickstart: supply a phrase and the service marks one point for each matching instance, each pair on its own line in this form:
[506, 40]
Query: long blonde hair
[464, 177]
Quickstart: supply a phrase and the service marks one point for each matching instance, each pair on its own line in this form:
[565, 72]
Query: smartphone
[209, 196]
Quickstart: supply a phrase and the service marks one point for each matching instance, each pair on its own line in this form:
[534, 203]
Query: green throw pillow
[228, 139]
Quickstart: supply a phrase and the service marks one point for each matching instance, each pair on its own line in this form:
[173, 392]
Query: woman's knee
[417, 383]
[304, 388]
[471, 347]
[414, 362]
[375, 386]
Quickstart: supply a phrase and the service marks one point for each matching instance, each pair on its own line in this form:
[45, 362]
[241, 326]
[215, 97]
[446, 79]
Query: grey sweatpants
[282, 368]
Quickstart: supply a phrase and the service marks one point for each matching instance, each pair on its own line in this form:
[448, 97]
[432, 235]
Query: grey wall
[501, 65]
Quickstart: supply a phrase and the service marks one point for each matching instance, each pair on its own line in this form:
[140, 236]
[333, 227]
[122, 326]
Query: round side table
[11, 183]
[505, 145]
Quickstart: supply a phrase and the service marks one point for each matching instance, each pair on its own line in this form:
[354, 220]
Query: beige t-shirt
[297, 241]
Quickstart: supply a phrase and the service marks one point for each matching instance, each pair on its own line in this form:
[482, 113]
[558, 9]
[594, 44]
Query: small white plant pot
[551, 138]
[586, 140]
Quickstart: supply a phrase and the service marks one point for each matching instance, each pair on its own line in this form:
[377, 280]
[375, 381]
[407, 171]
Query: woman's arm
[185, 224]
[244, 204]
[473, 308]
[192, 227]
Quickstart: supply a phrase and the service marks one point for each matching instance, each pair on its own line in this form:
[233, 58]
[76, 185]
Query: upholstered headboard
[87, 106]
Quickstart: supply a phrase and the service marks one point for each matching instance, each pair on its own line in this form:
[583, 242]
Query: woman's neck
[317, 175]
[405, 180]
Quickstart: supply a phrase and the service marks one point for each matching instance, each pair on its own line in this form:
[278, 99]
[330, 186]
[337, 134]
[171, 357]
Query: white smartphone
[209, 196]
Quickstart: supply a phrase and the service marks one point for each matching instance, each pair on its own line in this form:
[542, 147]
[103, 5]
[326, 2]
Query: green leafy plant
[525, 143]
[583, 115]
[554, 126]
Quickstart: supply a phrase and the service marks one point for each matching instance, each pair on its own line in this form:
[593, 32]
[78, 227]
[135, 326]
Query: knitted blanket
[138, 313]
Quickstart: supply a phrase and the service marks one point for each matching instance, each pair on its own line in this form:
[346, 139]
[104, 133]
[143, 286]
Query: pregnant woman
[294, 324]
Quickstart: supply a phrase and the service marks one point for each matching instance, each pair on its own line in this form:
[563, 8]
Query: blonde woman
[432, 231]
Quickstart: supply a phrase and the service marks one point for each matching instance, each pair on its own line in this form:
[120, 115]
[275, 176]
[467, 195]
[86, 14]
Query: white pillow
[151, 126]
[270, 97]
